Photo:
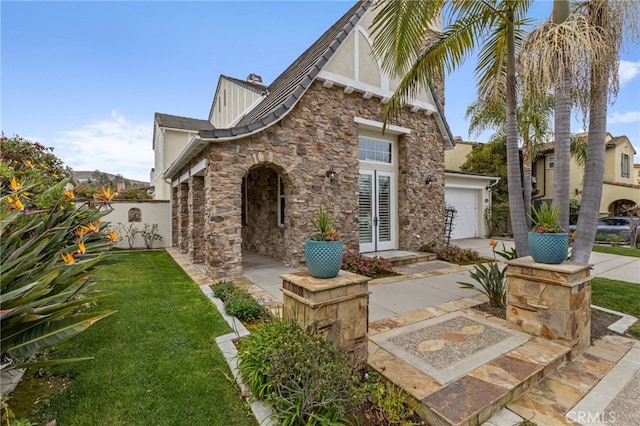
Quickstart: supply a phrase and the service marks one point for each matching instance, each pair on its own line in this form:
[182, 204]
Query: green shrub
[498, 219]
[382, 404]
[451, 252]
[302, 376]
[243, 307]
[224, 289]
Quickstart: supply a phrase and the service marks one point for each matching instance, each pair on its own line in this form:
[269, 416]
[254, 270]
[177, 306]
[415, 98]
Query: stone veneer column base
[337, 308]
[553, 301]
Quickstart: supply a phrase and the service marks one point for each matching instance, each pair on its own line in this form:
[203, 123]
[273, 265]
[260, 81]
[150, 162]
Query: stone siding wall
[318, 133]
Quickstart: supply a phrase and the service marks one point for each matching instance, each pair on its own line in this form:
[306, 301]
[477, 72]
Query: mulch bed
[599, 320]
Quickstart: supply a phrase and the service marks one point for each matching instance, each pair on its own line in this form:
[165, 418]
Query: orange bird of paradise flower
[105, 194]
[15, 186]
[112, 237]
[68, 258]
[80, 232]
[81, 248]
[15, 203]
[90, 227]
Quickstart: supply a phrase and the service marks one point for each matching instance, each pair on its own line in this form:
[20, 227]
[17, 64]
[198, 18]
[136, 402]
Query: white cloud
[628, 71]
[625, 117]
[112, 145]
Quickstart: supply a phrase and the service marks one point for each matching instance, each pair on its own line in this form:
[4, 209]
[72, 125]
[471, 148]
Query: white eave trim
[368, 90]
[377, 125]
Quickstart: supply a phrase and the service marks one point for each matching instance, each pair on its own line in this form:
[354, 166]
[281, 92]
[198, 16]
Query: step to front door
[479, 382]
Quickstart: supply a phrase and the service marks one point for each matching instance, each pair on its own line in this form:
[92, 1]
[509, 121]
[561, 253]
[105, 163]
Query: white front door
[376, 211]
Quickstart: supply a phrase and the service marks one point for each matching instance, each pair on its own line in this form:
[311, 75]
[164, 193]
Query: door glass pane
[365, 199]
[384, 208]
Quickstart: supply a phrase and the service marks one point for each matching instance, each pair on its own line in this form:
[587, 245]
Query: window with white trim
[551, 162]
[625, 165]
[374, 150]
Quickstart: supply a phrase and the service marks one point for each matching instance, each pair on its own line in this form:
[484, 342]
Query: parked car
[612, 227]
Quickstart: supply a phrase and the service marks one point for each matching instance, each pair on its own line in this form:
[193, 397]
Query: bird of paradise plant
[48, 254]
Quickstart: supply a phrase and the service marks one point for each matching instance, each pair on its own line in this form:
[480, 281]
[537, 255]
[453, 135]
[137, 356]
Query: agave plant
[47, 258]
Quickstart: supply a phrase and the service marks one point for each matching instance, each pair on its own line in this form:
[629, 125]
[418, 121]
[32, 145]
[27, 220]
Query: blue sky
[87, 77]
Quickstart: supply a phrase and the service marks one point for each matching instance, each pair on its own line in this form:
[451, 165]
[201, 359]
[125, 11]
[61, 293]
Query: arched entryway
[265, 189]
[620, 207]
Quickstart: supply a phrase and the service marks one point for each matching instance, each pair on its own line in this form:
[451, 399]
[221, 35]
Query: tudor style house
[252, 176]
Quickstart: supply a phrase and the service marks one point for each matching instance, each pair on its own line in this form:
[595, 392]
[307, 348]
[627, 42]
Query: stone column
[553, 301]
[337, 308]
[174, 217]
[196, 219]
[183, 217]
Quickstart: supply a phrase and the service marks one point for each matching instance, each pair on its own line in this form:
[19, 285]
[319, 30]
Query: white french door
[376, 211]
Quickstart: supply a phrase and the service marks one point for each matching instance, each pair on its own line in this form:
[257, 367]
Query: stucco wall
[153, 212]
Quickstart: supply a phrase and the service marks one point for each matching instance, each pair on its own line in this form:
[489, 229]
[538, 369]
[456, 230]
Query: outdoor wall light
[331, 173]
[430, 179]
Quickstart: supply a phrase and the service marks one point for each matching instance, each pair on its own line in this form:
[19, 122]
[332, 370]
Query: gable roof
[289, 87]
[182, 123]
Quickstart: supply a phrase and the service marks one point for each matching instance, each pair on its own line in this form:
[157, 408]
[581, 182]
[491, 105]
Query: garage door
[465, 201]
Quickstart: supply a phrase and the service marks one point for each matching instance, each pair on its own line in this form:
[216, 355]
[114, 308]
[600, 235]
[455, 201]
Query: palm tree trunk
[592, 191]
[562, 129]
[514, 184]
[526, 178]
[592, 188]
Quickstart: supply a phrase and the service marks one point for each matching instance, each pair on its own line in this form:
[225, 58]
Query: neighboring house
[468, 193]
[273, 155]
[620, 186]
[171, 134]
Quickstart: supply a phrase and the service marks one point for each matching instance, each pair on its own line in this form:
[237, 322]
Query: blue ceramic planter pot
[548, 248]
[324, 258]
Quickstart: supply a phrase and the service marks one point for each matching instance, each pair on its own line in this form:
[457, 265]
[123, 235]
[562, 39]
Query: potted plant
[323, 251]
[548, 243]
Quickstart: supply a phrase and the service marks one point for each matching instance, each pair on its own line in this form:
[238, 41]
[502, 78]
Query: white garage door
[465, 201]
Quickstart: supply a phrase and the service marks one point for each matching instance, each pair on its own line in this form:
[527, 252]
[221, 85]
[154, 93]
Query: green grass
[620, 296]
[620, 251]
[156, 360]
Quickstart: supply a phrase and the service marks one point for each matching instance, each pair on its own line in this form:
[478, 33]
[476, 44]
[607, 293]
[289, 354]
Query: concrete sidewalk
[614, 267]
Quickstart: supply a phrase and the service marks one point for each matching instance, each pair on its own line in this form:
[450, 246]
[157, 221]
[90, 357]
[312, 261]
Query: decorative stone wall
[183, 217]
[553, 301]
[196, 219]
[337, 308]
[318, 133]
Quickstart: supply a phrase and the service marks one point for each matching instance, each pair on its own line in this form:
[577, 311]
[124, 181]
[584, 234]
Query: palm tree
[400, 31]
[583, 51]
[611, 20]
[533, 127]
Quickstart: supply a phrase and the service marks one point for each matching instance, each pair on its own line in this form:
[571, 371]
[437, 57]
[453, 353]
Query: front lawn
[620, 296]
[620, 251]
[156, 360]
